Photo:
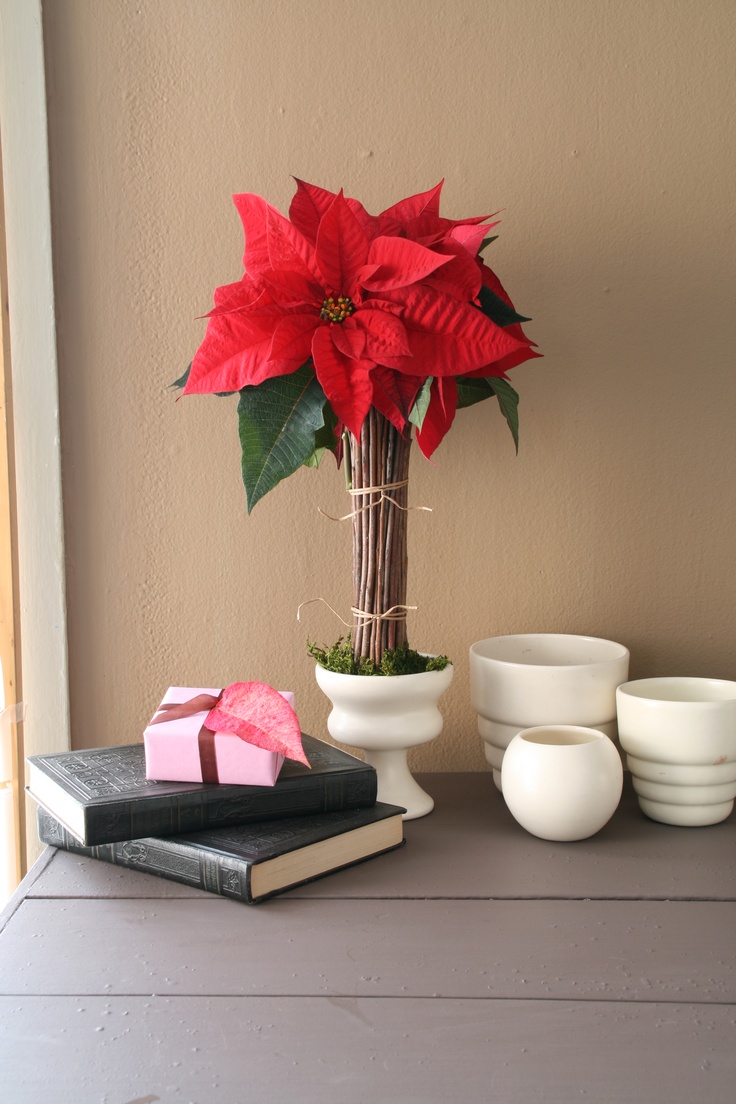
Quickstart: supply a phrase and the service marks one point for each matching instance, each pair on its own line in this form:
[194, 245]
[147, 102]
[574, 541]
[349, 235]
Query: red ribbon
[174, 711]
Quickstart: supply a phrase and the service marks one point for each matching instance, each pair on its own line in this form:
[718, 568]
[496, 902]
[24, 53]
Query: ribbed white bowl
[531, 679]
[679, 735]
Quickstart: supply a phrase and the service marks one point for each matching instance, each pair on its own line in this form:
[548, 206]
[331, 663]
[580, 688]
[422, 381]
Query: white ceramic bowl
[532, 679]
[679, 735]
[562, 782]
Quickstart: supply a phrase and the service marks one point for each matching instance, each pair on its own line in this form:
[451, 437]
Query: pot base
[396, 784]
[685, 816]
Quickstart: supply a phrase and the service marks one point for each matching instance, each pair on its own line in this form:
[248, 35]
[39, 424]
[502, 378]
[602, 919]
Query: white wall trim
[23, 131]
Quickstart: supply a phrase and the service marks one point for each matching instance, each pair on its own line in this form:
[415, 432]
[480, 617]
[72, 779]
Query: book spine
[226, 876]
[195, 811]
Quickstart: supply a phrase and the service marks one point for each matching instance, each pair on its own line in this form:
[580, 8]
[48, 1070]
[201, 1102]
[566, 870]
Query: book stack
[243, 842]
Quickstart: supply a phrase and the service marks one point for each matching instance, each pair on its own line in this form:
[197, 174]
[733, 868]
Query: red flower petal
[440, 414]
[447, 337]
[288, 249]
[471, 237]
[310, 203]
[259, 715]
[430, 229]
[271, 242]
[346, 383]
[349, 338]
[385, 333]
[400, 263]
[386, 306]
[253, 215]
[292, 337]
[241, 295]
[460, 277]
[394, 395]
[422, 203]
[342, 247]
[290, 289]
[308, 206]
[235, 352]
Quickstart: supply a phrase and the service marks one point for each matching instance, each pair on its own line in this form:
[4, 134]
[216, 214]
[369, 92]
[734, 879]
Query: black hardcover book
[103, 796]
[250, 862]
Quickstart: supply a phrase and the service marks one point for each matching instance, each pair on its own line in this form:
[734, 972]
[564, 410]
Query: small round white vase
[679, 735]
[530, 679]
[562, 782]
[384, 716]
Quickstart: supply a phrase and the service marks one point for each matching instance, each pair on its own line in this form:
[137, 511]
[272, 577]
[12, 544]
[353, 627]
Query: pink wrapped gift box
[174, 748]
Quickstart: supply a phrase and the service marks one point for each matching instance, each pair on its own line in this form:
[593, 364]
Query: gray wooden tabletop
[476, 964]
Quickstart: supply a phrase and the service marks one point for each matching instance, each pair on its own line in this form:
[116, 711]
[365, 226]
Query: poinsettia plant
[351, 333]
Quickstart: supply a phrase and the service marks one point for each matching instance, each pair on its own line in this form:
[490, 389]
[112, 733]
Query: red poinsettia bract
[378, 304]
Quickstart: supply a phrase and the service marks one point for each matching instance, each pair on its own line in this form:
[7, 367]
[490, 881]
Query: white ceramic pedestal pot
[679, 735]
[562, 782]
[532, 679]
[385, 715]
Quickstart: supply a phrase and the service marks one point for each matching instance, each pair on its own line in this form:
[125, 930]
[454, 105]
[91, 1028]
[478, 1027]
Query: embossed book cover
[250, 862]
[102, 795]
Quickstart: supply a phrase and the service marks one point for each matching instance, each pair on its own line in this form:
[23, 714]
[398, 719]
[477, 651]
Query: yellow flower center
[337, 310]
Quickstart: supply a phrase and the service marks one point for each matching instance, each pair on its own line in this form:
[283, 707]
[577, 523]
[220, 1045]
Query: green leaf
[508, 400]
[315, 459]
[473, 390]
[278, 421]
[498, 311]
[418, 411]
[325, 437]
[487, 241]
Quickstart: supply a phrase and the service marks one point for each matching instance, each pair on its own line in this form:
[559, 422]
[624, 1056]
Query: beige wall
[605, 132]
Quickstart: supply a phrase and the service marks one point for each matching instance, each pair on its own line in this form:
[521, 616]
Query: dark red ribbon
[174, 711]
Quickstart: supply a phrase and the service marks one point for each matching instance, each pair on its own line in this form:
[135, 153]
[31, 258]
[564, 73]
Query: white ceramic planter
[532, 679]
[385, 716]
[562, 782]
[679, 735]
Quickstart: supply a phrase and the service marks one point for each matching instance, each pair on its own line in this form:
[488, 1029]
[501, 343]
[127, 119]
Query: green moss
[399, 661]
